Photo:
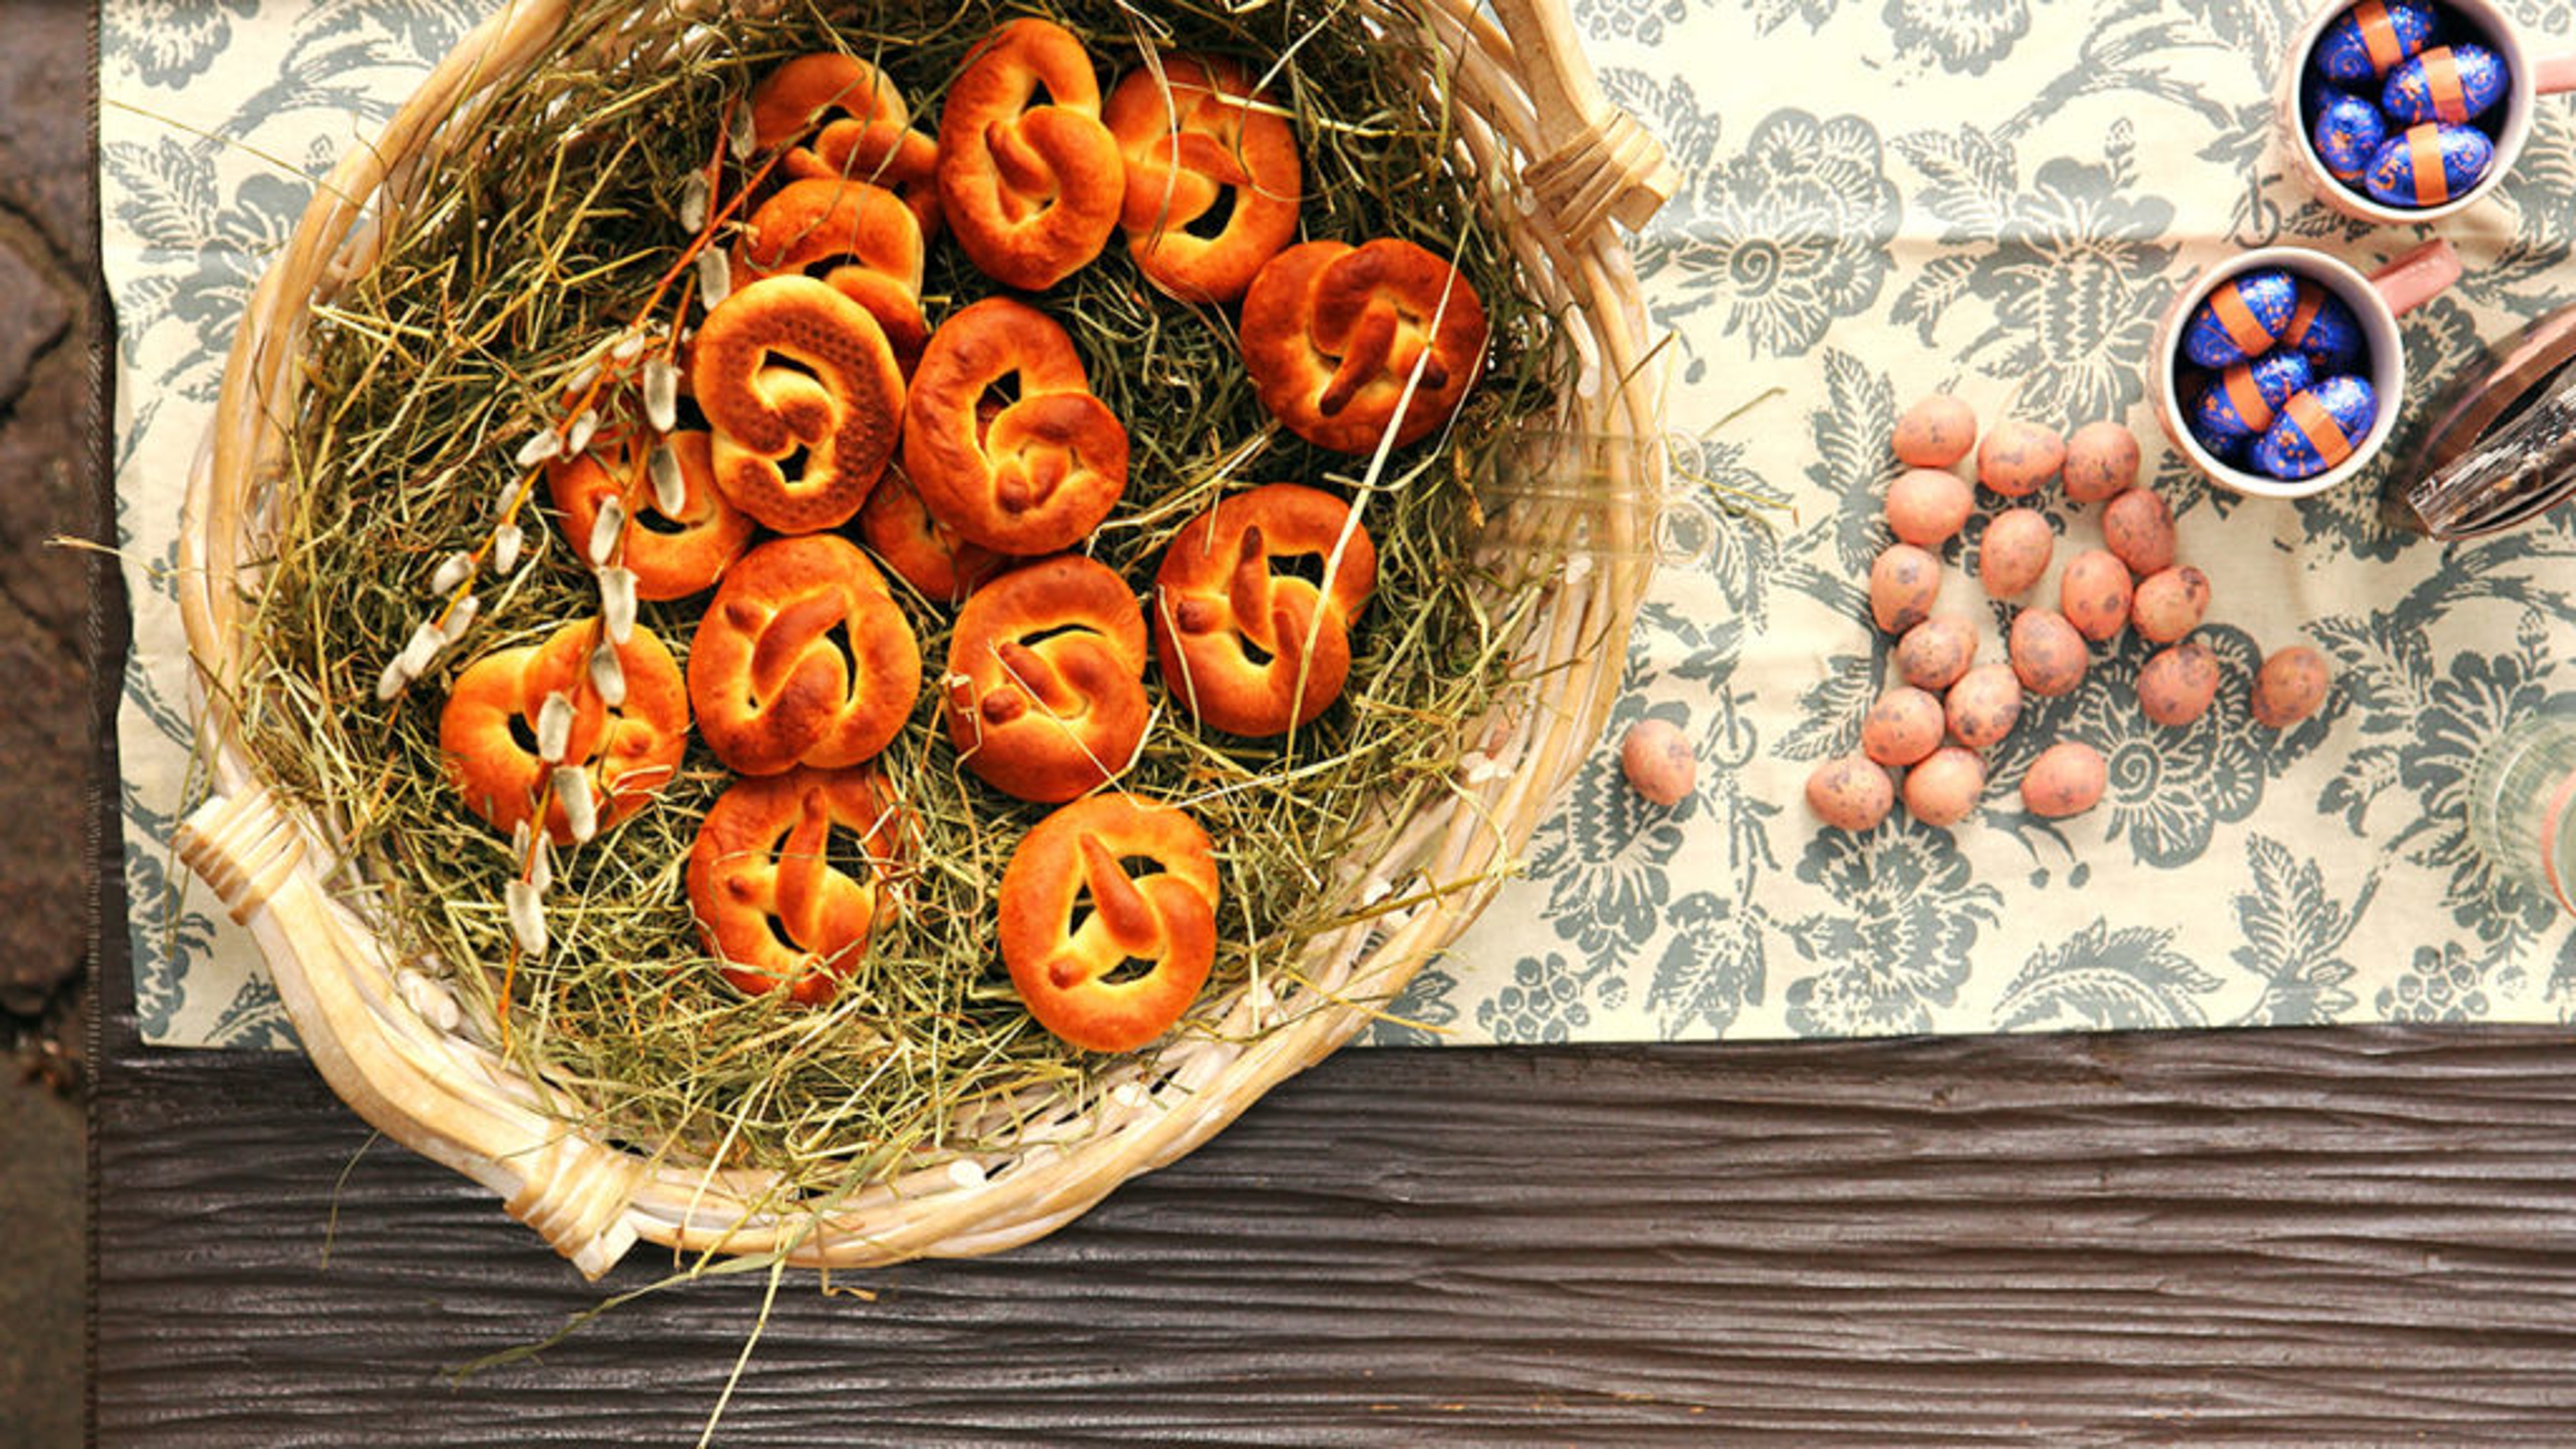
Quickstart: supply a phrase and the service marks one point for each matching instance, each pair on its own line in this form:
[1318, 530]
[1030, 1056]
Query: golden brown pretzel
[774, 906]
[1074, 911]
[1045, 690]
[1193, 136]
[805, 397]
[852, 125]
[629, 752]
[1038, 474]
[1332, 332]
[672, 557]
[919, 549]
[1030, 186]
[1244, 639]
[802, 659]
[857, 237]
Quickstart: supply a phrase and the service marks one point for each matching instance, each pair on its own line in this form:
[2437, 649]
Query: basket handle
[338, 992]
[1600, 165]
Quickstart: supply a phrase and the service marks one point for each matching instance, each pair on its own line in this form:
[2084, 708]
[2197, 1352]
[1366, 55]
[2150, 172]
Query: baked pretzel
[919, 549]
[804, 395]
[1045, 690]
[672, 558]
[1029, 179]
[1038, 473]
[1331, 333]
[1194, 136]
[629, 752]
[802, 659]
[1076, 910]
[857, 237]
[1245, 640]
[849, 123]
[774, 905]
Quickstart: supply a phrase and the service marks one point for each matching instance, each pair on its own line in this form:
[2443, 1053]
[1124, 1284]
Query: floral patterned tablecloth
[1880, 198]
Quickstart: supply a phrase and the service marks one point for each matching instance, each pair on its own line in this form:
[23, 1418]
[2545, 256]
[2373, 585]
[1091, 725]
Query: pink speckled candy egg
[1925, 506]
[1935, 432]
[1943, 789]
[2066, 779]
[2014, 551]
[2289, 687]
[1658, 761]
[2169, 604]
[2101, 459]
[2048, 656]
[1903, 582]
[2018, 458]
[1903, 726]
[1984, 706]
[2176, 685]
[2139, 530]
[2094, 594]
[1850, 793]
[1934, 653]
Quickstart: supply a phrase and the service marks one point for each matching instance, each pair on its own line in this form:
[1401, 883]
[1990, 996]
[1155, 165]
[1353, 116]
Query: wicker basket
[389, 1040]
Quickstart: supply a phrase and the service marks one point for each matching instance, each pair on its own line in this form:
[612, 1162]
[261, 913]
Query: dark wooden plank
[2353, 1237]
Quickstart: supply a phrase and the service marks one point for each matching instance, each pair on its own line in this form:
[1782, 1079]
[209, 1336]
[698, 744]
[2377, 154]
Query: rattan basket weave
[389, 1039]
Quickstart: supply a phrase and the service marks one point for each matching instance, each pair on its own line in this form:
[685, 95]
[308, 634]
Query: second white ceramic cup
[2377, 300]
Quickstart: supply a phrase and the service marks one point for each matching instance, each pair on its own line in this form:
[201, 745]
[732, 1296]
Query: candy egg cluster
[1924, 742]
[2284, 394]
[2394, 115]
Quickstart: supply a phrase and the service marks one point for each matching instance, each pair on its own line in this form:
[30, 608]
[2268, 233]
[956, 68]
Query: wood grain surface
[2340, 1238]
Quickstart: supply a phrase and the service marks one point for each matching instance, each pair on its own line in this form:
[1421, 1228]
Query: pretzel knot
[919, 549]
[854, 236]
[805, 397]
[788, 874]
[802, 659]
[1030, 186]
[1045, 691]
[1331, 334]
[1030, 476]
[672, 557]
[1108, 920]
[849, 123]
[1246, 636]
[1212, 176]
[488, 731]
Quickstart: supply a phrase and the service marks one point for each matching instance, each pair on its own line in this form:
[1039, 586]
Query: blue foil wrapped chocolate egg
[2429, 164]
[2447, 83]
[2349, 131]
[2324, 331]
[2373, 38]
[2237, 453]
[2242, 318]
[2220, 445]
[2242, 400]
[2317, 429]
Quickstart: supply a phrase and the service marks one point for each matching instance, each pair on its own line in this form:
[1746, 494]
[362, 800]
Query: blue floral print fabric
[1880, 199]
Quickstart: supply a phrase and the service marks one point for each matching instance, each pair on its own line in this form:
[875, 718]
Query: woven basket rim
[388, 1039]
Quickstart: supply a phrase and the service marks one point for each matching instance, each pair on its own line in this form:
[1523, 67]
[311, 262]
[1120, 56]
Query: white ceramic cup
[2529, 75]
[2377, 301]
